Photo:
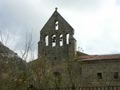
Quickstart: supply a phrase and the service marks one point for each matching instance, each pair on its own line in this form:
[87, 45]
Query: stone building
[57, 44]
[56, 39]
[100, 70]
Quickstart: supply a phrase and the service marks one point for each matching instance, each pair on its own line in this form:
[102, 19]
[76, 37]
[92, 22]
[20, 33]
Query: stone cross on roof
[56, 9]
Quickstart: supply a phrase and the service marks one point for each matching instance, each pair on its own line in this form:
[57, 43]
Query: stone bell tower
[56, 39]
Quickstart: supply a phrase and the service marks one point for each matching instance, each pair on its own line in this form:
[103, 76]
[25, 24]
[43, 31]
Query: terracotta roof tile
[100, 57]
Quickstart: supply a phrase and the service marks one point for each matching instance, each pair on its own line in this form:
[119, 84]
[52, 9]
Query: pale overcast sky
[96, 22]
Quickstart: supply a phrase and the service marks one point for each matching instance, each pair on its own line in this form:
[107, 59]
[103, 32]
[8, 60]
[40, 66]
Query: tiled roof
[99, 57]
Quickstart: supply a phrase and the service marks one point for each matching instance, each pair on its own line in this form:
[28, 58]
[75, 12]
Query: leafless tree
[27, 52]
[4, 38]
[70, 72]
[73, 72]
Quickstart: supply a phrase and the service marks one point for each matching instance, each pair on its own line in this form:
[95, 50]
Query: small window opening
[45, 54]
[56, 25]
[53, 40]
[99, 75]
[46, 40]
[116, 75]
[67, 39]
[57, 78]
[61, 40]
[80, 70]
[55, 58]
[56, 73]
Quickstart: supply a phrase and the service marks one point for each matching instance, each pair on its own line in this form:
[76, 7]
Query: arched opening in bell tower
[56, 25]
[61, 40]
[67, 38]
[53, 40]
[46, 40]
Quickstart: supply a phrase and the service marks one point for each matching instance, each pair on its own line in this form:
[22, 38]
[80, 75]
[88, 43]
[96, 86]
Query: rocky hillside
[12, 70]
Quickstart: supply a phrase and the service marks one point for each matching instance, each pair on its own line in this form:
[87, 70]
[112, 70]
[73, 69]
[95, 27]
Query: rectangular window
[116, 75]
[99, 75]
